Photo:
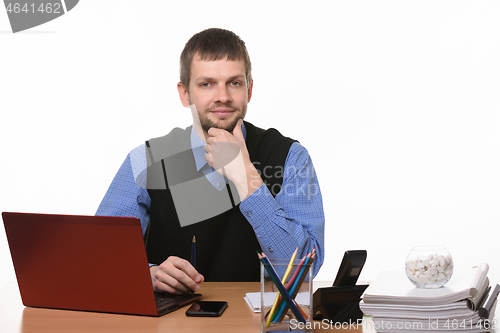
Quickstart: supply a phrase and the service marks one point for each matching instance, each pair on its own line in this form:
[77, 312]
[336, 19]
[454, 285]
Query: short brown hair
[214, 44]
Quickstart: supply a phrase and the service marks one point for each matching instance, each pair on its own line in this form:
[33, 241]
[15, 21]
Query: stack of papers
[397, 305]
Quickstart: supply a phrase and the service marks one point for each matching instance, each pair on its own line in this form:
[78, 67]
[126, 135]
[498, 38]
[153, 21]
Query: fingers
[208, 156]
[237, 133]
[213, 131]
[220, 154]
[176, 275]
[220, 135]
[223, 148]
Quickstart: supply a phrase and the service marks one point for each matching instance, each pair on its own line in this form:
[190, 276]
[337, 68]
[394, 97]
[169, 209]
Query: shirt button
[270, 250]
[219, 185]
[249, 214]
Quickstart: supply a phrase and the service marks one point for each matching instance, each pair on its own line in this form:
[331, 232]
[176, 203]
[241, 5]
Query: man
[234, 186]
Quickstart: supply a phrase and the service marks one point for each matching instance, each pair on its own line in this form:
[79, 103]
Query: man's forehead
[222, 66]
[209, 57]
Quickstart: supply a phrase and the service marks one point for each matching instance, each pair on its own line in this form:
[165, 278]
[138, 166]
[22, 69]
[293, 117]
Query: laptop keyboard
[163, 301]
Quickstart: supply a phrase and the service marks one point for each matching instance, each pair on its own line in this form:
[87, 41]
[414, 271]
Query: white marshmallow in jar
[429, 266]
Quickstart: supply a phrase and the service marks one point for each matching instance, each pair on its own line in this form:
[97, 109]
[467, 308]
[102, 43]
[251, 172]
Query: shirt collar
[197, 145]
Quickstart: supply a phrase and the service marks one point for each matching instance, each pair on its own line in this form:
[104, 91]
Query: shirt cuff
[258, 209]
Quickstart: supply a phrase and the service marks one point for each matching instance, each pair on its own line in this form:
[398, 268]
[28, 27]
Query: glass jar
[429, 266]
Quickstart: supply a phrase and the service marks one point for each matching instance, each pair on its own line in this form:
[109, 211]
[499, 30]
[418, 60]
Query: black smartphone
[206, 309]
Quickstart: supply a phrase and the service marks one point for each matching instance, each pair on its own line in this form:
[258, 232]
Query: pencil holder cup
[292, 312]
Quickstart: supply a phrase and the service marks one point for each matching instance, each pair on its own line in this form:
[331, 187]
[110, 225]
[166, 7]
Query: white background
[396, 101]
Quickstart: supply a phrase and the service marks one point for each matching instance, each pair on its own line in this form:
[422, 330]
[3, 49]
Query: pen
[193, 252]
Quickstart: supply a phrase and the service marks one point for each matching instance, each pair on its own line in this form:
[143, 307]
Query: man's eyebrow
[239, 77]
[209, 78]
[204, 78]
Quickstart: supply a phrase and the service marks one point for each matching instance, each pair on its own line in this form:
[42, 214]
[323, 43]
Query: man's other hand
[176, 276]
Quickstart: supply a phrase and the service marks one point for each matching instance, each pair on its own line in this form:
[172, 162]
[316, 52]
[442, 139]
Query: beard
[222, 123]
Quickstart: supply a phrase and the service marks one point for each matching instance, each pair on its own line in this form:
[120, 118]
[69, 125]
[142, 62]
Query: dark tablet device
[206, 309]
[340, 303]
[350, 268]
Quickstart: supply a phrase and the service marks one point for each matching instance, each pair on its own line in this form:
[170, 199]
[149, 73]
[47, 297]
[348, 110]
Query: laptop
[88, 263]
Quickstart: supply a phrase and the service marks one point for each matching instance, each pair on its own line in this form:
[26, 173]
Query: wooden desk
[238, 317]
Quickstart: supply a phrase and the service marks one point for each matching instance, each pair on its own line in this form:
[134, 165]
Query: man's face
[219, 91]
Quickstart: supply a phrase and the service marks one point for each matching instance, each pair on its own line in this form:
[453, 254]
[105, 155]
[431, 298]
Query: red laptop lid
[91, 263]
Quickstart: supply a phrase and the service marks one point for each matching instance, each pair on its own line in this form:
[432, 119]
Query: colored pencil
[283, 280]
[281, 288]
[296, 285]
[289, 285]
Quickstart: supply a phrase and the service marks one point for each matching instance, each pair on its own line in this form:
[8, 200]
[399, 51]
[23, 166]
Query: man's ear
[250, 91]
[183, 94]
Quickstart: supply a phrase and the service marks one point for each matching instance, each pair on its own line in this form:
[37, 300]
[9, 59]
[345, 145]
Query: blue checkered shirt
[292, 219]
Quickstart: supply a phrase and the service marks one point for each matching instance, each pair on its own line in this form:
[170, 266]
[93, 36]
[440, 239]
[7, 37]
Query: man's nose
[223, 95]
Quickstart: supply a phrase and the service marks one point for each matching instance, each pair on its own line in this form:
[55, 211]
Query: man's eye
[205, 84]
[235, 83]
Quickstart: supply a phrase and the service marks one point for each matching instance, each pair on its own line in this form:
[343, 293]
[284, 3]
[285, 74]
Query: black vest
[226, 242]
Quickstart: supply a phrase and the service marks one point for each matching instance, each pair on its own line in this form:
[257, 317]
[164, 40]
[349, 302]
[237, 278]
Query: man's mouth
[222, 112]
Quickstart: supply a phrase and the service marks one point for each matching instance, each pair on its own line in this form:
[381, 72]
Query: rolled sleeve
[295, 217]
[124, 197]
